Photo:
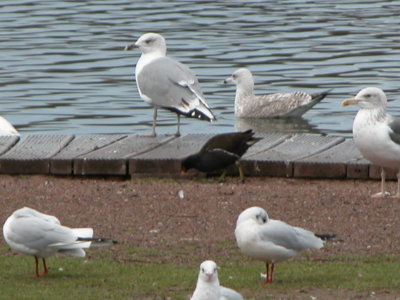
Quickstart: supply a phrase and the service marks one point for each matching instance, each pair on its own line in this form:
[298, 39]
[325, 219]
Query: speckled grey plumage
[283, 105]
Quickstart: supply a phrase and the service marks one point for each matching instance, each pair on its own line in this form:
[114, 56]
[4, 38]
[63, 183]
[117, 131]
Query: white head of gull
[376, 133]
[166, 83]
[271, 241]
[208, 287]
[248, 105]
[34, 233]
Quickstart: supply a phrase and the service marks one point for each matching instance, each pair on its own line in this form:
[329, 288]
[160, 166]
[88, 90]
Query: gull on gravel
[40, 235]
[208, 287]
[376, 133]
[272, 241]
[166, 83]
[248, 105]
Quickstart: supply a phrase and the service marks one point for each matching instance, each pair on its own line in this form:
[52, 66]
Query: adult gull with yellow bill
[376, 133]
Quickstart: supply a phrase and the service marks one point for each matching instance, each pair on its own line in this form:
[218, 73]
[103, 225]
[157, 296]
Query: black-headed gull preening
[166, 83]
[208, 287]
[272, 241]
[40, 235]
[377, 134]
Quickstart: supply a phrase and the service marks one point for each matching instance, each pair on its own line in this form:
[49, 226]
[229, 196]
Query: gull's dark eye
[148, 41]
[368, 96]
[234, 76]
[202, 270]
[262, 218]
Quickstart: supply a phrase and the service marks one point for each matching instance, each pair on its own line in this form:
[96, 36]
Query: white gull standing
[166, 83]
[376, 133]
[40, 235]
[208, 287]
[248, 105]
[272, 241]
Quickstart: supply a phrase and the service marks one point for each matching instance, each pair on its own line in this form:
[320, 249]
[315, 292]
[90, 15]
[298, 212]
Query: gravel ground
[166, 213]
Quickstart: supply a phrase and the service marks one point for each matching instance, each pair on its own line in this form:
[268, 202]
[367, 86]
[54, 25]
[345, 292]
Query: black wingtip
[319, 96]
[194, 113]
[325, 236]
[97, 240]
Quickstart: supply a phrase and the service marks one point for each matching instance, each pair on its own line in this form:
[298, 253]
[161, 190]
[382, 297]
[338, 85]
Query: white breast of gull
[208, 286]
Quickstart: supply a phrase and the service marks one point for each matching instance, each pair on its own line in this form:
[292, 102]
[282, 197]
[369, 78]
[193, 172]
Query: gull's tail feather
[78, 252]
[83, 232]
[300, 110]
[317, 97]
[86, 233]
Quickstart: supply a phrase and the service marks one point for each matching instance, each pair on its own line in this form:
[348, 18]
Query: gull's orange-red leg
[37, 266]
[272, 273]
[269, 272]
[45, 270]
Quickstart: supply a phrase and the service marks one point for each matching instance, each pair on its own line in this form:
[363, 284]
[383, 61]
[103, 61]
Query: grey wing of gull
[29, 212]
[172, 85]
[394, 125]
[286, 104]
[229, 294]
[289, 237]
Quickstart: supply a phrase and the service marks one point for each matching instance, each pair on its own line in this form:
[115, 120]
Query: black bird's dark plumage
[220, 152]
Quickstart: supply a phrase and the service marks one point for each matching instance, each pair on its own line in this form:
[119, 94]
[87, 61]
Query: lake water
[63, 68]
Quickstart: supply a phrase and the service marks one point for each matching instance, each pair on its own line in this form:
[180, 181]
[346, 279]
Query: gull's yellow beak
[129, 47]
[349, 101]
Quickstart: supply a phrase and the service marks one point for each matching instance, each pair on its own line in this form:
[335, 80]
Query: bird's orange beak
[349, 101]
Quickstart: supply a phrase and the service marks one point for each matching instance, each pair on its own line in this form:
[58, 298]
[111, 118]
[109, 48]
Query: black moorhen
[220, 152]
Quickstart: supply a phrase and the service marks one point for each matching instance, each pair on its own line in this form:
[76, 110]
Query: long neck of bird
[375, 114]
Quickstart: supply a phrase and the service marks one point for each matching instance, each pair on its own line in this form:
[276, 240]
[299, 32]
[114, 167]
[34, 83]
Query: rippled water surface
[63, 68]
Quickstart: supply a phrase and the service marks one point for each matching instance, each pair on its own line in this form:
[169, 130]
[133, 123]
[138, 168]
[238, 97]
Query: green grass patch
[102, 277]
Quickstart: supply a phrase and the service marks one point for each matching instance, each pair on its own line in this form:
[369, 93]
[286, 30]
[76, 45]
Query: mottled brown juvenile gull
[208, 287]
[166, 83]
[248, 105]
[376, 133]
